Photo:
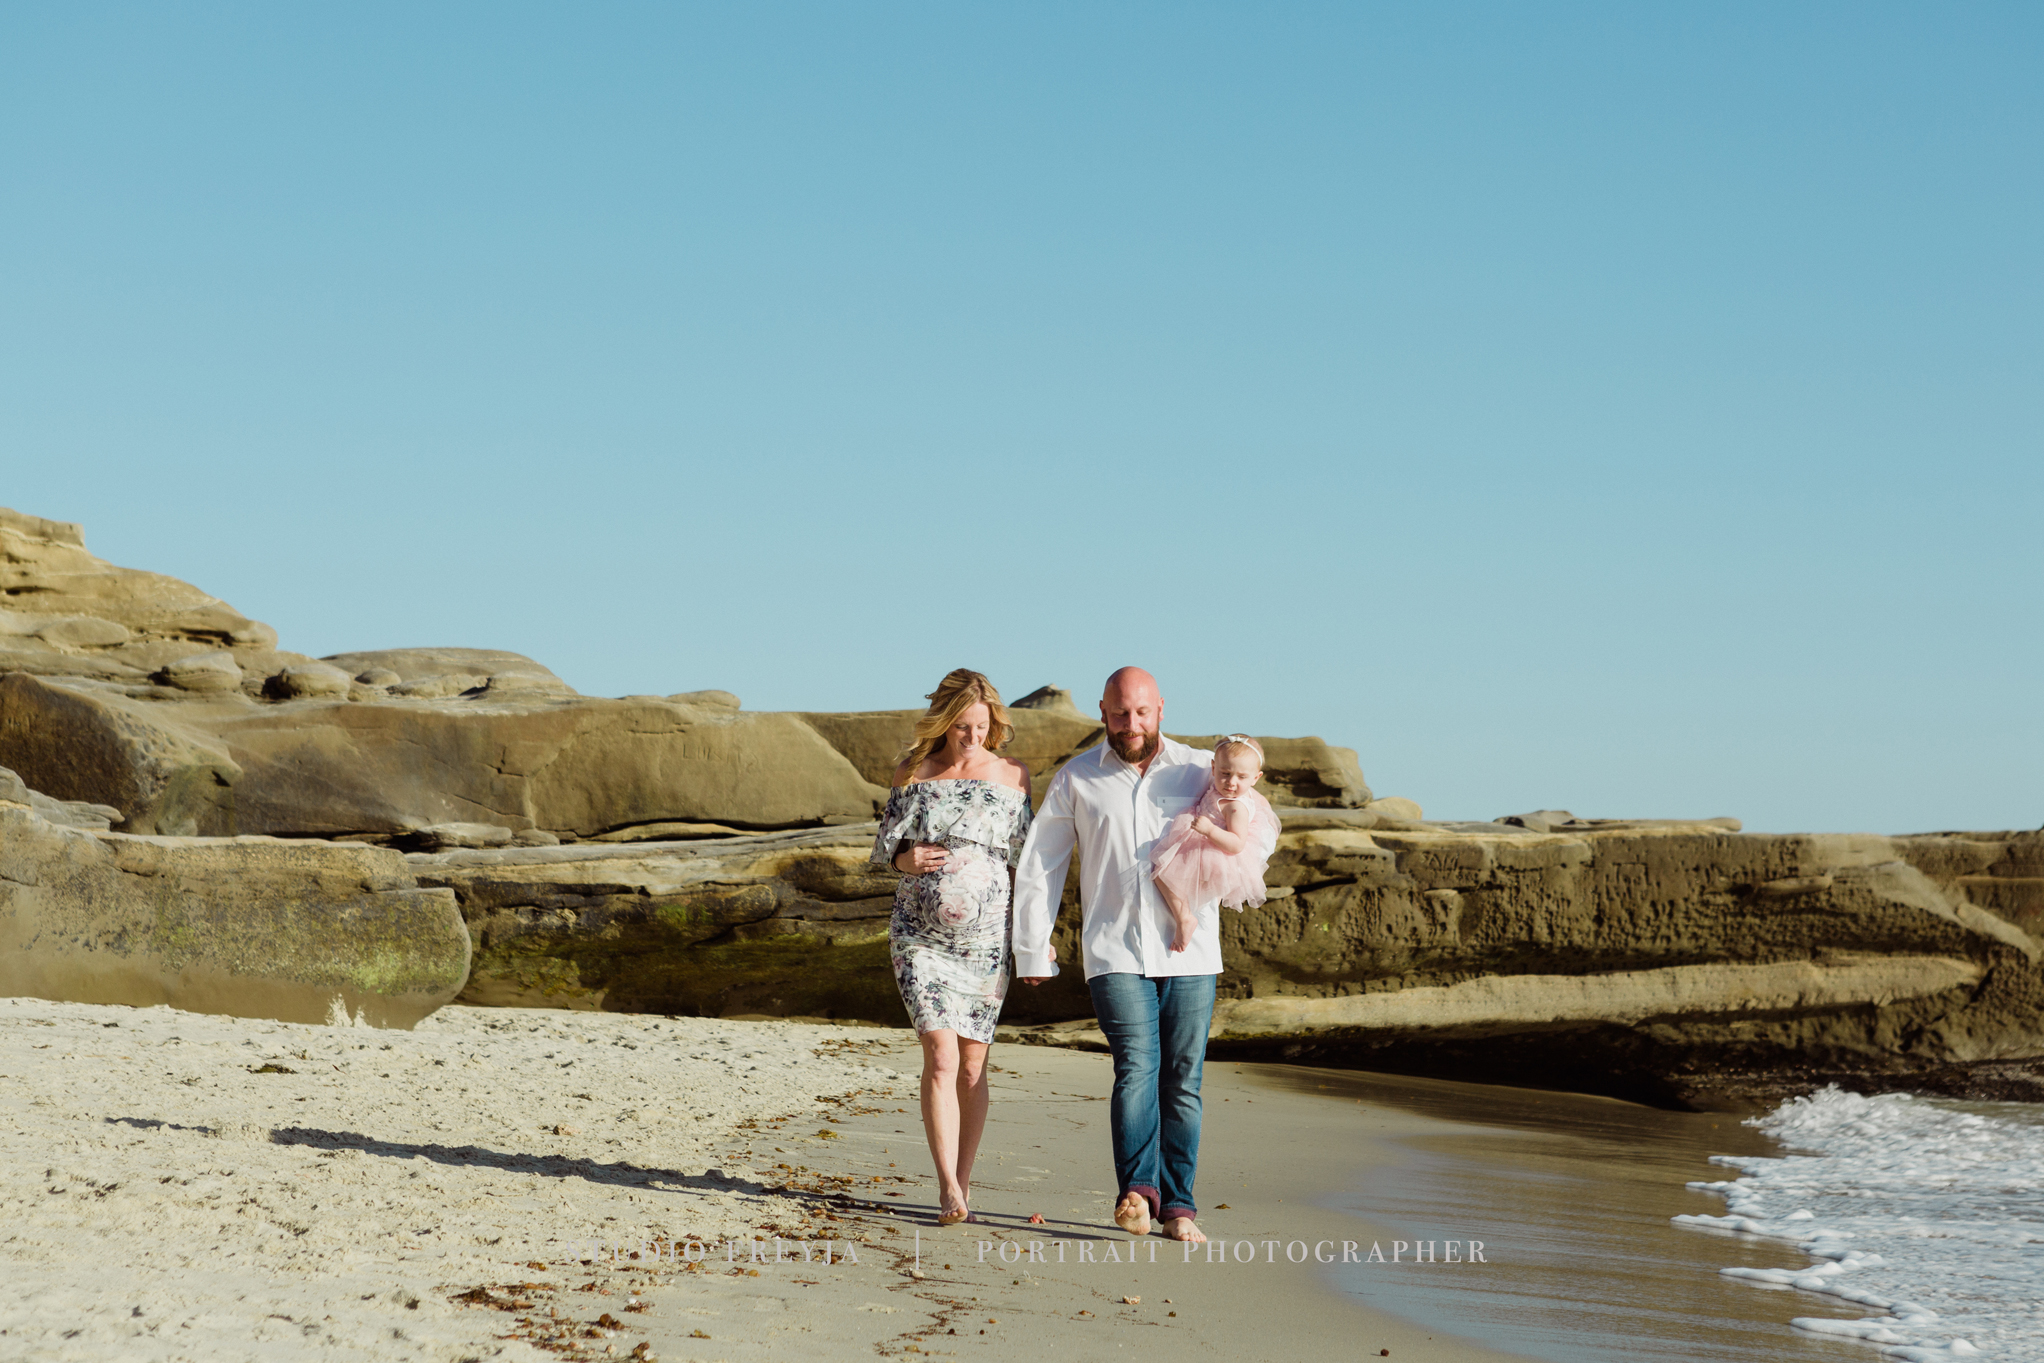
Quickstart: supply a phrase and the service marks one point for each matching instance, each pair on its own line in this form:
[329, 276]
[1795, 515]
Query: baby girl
[1214, 851]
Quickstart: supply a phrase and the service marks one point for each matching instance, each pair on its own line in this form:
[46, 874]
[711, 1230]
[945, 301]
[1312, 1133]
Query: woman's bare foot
[951, 1208]
[1132, 1214]
[1182, 1228]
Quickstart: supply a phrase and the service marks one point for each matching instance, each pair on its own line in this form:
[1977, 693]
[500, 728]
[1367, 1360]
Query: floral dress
[949, 934]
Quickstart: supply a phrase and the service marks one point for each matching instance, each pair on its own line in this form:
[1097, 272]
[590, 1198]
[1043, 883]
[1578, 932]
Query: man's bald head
[1130, 682]
[1133, 712]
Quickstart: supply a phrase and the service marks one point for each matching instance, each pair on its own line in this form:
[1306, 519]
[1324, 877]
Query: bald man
[1112, 803]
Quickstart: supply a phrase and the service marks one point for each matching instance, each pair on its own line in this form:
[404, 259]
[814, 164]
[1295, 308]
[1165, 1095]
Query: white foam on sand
[1926, 1212]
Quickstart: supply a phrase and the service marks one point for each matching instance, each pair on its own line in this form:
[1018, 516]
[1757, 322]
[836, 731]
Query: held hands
[921, 859]
[1033, 980]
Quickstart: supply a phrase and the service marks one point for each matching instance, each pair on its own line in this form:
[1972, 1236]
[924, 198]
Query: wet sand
[1574, 1193]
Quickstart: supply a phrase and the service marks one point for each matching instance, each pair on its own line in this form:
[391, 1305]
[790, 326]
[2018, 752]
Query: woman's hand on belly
[921, 859]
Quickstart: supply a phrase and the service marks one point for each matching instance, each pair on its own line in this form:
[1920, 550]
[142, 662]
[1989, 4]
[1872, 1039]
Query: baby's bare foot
[1186, 925]
[1182, 1228]
[1132, 1214]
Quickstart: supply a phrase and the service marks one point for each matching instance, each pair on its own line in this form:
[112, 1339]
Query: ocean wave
[1925, 1211]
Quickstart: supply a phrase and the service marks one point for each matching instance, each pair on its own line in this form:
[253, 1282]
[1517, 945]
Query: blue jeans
[1157, 1030]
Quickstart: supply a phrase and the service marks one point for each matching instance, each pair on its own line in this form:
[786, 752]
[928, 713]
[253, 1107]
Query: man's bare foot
[1182, 1228]
[1132, 1214]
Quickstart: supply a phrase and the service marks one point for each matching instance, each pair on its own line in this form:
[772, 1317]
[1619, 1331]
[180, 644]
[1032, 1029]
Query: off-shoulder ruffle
[985, 813]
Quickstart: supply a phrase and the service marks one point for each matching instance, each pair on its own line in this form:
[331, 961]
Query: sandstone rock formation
[68, 813]
[1678, 963]
[252, 927]
[68, 613]
[84, 739]
[427, 664]
[1644, 958]
[139, 692]
[781, 924]
[716, 864]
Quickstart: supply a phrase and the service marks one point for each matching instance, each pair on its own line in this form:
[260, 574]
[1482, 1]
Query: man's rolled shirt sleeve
[1040, 880]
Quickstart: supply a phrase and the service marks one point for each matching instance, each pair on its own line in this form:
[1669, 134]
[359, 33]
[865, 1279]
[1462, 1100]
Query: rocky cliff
[1678, 963]
[144, 694]
[681, 854]
[253, 927]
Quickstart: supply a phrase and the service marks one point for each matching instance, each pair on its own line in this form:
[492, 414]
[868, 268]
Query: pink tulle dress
[1199, 872]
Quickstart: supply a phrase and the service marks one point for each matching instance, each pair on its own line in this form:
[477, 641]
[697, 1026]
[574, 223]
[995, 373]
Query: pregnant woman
[953, 827]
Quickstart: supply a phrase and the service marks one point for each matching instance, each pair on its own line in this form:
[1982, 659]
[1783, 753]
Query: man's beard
[1134, 749]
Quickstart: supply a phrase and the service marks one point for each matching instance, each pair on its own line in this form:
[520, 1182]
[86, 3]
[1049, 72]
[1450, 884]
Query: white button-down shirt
[1113, 812]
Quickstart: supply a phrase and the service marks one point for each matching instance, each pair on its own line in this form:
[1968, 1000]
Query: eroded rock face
[2003, 872]
[250, 927]
[68, 613]
[1651, 960]
[202, 672]
[67, 813]
[783, 924]
[424, 664]
[142, 693]
[570, 765]
[788, 924]
[1684, 964]
[83, 739]
[139, 692]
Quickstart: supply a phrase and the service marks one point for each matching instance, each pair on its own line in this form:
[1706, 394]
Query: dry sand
[179, 1185]
[182, 1186]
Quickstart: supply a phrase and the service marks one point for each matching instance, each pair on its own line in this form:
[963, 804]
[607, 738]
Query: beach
[180, 1185]
[192, 1186]
[1576, 1193]
[184, 1186]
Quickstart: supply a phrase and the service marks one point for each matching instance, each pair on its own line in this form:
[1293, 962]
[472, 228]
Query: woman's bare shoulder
[1017, 773]
[904, 773]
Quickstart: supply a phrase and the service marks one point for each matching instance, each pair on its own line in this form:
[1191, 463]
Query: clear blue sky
[1633, 409]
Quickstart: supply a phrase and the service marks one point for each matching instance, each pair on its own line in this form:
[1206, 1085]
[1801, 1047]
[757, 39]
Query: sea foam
[1928, 1213]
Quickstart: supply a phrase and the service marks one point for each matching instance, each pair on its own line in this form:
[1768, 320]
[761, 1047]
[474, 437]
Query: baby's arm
[1228, 834]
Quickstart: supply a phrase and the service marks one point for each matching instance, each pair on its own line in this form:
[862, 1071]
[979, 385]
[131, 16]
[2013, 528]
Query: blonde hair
[961, 689]
[1239, 741]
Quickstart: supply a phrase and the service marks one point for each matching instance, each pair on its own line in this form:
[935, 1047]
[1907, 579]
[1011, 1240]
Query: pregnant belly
[971, 890]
